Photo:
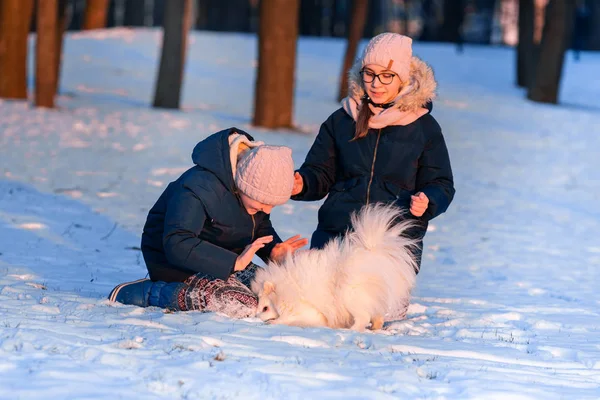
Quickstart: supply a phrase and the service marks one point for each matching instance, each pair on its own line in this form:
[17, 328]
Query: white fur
[353, 281]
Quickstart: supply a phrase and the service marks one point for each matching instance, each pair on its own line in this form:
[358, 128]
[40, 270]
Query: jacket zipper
[373, 167]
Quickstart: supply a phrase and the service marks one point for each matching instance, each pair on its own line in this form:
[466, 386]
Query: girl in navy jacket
[383, 145]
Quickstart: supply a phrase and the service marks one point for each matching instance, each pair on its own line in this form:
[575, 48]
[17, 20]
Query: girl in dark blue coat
[383, 145]
[201, 235]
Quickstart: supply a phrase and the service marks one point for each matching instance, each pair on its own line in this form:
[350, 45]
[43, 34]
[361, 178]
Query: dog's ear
[268, 287]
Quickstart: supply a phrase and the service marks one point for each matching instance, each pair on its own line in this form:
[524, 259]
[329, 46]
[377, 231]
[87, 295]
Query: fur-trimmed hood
[410, 104]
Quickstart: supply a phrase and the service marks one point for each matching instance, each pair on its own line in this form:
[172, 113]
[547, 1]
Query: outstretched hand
[281, 250]
[244, 259]
[418, 204]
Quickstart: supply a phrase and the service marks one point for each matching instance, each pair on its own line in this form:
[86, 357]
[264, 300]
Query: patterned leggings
[232, 297]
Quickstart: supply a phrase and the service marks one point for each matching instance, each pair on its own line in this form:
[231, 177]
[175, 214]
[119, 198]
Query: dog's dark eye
[265, 309]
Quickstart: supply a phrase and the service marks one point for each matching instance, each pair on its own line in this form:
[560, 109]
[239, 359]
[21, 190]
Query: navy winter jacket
[199, 225]
[388, 165]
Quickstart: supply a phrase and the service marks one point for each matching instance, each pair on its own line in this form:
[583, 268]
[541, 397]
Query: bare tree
[218, 13]
[135, 13]
[454, 15]
[310, 17]
[594, 40]
[46, 53]
[525, 47]
[556, 37]
[95, 14]
[15, 20]
[274, 90]
[178, 18]
[431, 26]
[62, 22]
[355, 33]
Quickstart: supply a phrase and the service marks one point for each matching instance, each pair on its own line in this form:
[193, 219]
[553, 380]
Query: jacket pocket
[345, 185]
[401, 196]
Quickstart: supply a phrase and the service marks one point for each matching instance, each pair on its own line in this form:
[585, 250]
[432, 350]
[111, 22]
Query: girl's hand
[281, 250]
[298, 184]
[248, 254]
[418, 204]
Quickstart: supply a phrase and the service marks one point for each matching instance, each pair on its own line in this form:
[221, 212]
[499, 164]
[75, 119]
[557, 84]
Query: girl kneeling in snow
[201, 235]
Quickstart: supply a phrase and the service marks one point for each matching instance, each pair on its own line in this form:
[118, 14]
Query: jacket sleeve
[434, 175]
[319, 169]
[265, 229]
[184, 220]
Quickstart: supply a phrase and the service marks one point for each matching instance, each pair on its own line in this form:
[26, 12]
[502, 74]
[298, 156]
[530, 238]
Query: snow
[506, 304]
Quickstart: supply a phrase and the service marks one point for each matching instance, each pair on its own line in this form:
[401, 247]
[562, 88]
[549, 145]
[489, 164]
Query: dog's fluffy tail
[382, 228]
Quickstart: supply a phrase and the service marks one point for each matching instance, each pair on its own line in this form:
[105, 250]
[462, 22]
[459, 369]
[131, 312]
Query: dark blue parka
[199, 224]
[388, 165]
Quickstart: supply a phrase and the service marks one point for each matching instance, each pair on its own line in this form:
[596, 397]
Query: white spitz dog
[353, 282]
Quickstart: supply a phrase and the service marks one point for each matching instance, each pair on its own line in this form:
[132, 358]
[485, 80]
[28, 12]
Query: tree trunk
[593, 41]
[355, 33]
[277, 39]
[310, 17]
[339, 19]
[430, 31]
[454, 14]
[46, 53]
[135, 13]
[555, 39]
[374, 22]
[77, 9]
[177, 21]
[158, 12]
[525, 47]
[15, 20]
[539, 20]
[95, 14]
[238, 21]
[58, 35]
[217, 16]
[189, 21]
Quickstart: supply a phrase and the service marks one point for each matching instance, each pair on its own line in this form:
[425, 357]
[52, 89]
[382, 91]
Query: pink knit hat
[266, 174]
[392, 51]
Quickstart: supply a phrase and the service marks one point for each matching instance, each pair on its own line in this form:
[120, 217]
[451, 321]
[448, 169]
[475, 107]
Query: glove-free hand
[418, 204]
[298, 184]
[281, 250]
[244, 259]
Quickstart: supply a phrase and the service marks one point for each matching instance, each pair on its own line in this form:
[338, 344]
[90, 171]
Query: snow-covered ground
[507, 303]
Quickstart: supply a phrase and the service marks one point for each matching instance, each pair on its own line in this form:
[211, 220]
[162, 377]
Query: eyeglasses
[385, 77]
